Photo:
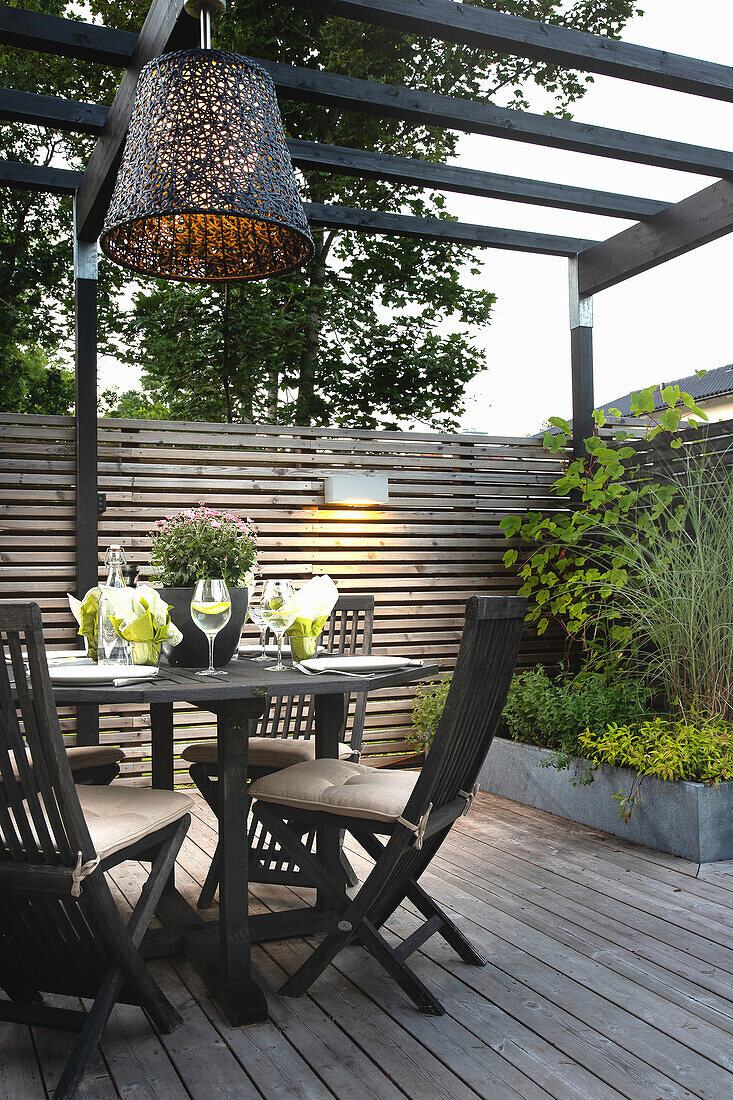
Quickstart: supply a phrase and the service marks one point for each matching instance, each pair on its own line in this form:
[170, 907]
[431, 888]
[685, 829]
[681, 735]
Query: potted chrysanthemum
[199, 543]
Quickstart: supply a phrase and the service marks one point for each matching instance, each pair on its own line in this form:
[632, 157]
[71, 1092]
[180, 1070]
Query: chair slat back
[41, 822]
[478, 692]
[348, 631]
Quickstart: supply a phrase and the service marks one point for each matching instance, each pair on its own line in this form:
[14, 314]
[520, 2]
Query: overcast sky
[656, 327]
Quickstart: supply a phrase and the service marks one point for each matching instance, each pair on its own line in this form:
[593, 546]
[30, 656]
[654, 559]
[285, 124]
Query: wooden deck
[610, 975]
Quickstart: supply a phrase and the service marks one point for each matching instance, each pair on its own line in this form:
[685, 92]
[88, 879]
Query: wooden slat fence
[435, 544]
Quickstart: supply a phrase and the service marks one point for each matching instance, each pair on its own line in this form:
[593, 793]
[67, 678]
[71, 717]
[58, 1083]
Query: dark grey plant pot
[193, 651]
[691, 820]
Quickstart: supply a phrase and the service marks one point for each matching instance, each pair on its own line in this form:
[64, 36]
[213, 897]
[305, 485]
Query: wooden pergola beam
[37, 177]
[51, 111]
[496, 31]
[95, 190]
[32, 30]
[441, 19]
[439, 229]
[63, 181]
[682, 227]
[313, 156]
[473, 116]
[384, 100]
[356, 162]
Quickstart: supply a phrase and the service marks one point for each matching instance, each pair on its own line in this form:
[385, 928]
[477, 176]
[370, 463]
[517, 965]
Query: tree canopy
[374, 331]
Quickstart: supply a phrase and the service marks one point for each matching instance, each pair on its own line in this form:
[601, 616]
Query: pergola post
[581, 358]
[86, 525]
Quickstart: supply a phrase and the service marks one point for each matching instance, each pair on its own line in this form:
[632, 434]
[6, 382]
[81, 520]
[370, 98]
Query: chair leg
[446, 927]
[211, 883]
[208, 788]
[125, 940]
[350, 875]
[425, 905]
[398, 969]
[340, 937]
[89, 1036]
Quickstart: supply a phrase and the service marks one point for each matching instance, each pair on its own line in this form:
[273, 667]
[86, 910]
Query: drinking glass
[235, 655]
[255, 612]
[211, 609]
[275, 595]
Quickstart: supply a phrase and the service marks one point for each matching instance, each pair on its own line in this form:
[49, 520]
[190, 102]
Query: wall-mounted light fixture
[358, 489]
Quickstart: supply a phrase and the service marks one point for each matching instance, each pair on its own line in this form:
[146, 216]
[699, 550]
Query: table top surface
[244, 679]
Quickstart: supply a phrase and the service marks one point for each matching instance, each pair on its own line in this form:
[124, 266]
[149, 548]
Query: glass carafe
[111, 648]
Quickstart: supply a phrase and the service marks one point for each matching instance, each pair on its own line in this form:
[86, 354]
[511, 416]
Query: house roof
[714, 383]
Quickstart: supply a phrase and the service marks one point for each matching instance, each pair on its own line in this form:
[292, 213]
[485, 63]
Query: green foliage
[570, 563]
[427, 710]
[202, 542]
[133, 405]
[678, 591]
[553, 713]
[699, 750]
[32, 383]
[36, 233]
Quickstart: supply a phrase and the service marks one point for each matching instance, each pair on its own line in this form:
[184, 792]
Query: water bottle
[111, 649]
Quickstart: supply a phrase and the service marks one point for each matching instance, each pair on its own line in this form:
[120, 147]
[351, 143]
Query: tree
[373, 332]
[36, 239]
[34, 383]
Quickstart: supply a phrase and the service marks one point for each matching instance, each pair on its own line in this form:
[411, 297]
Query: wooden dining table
[222, 947]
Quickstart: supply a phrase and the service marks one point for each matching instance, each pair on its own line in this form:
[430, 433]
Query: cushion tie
[80, 872]
[419, 829]
[469, 797]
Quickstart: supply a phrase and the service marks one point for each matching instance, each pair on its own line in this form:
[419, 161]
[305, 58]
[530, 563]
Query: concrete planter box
[692, 820]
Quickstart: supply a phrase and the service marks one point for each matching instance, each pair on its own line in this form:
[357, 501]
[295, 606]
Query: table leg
[243, 998]
[330, 724]
[161, 741]
[87, 724]
[161, 737]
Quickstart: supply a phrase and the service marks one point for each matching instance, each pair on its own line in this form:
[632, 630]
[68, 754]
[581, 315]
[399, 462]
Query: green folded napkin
[139, 615]
[303, 636]
[313, 604]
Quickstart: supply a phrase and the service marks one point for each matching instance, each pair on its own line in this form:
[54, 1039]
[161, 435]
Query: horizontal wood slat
[436, 542]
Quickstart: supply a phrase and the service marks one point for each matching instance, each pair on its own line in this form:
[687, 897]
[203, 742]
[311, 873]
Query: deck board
[610, 975]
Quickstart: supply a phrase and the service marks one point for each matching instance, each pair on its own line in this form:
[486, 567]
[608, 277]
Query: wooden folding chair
[287, 737]
[414, 812]
[60, 930]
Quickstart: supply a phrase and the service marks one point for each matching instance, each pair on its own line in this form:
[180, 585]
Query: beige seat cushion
[87, 756]
[339, 787]
[264, 752]
[118, 816]
[93, 756]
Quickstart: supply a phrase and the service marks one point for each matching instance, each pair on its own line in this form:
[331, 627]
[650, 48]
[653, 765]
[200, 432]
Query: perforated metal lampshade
[206, 191]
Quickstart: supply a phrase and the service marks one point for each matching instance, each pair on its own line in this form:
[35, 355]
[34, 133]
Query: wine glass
[275, 596]
[250, 589]
[255, 612]
[211, 610]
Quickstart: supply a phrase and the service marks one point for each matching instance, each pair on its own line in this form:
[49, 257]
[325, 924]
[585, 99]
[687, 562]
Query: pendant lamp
[206, 190]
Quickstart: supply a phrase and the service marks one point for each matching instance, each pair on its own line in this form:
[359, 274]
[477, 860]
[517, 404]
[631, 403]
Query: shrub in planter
[698, 750]
[553, 713]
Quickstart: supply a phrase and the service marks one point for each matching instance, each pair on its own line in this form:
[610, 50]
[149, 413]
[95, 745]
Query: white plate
[68, 656]
[358, 664]
[270, 650]
[75, 673]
